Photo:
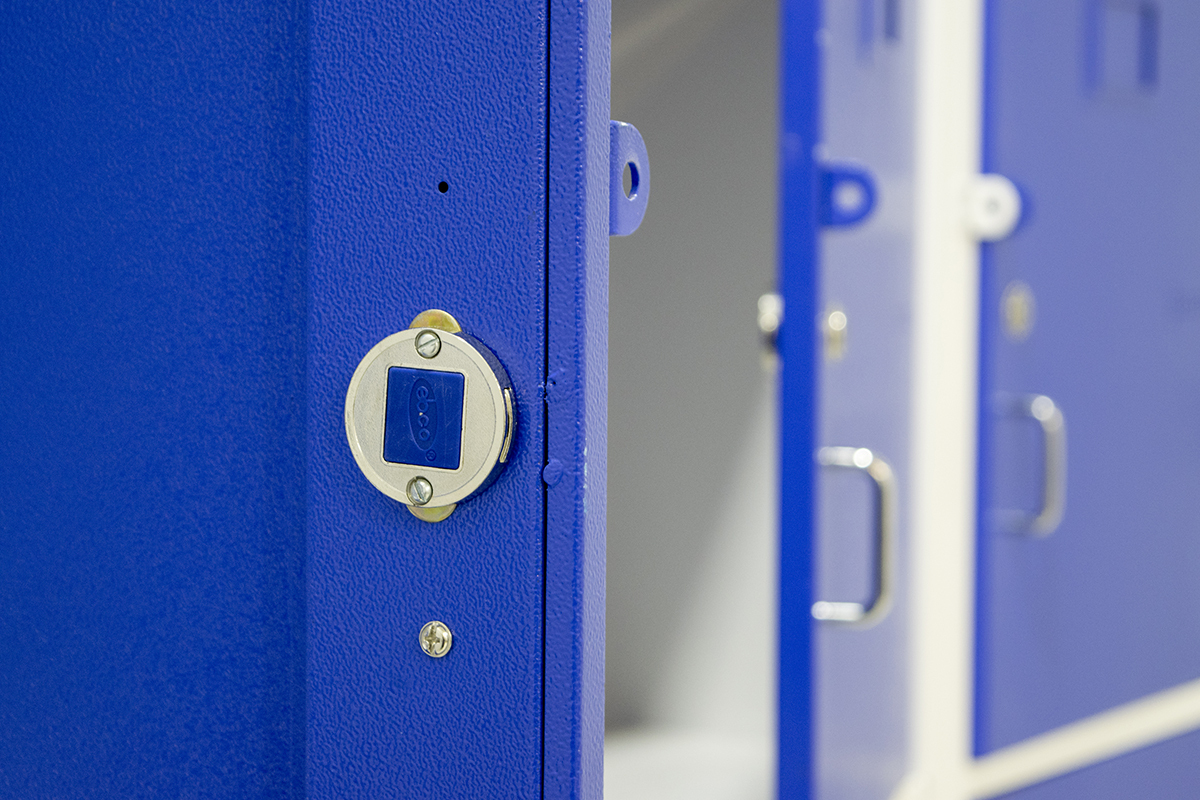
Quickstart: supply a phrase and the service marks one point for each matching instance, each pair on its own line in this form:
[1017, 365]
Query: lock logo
[423, 417]
[423, 420]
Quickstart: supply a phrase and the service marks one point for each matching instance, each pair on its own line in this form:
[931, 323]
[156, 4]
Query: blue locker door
[846, 110]
[799, 98]
[860, 679]
[428, 190]
[152, 359]
[209, 215]
[1093, 111]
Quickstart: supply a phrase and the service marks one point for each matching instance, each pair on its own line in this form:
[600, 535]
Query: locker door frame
[576, 398]
[941, 491]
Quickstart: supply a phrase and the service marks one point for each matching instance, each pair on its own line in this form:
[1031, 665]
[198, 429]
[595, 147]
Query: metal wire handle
[858, 614]
[1054, 474]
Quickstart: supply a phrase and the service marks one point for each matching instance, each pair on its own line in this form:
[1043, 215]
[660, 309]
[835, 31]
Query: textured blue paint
[1107, 608]
[576, 395]
[208, 215]
[797, 348]
[152, 364]
[401, 100]
[627, 150]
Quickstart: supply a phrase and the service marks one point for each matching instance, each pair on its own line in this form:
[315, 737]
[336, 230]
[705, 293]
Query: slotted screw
[420, 491]
[429, 344]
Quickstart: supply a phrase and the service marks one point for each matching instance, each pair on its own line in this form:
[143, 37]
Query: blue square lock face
[423, 422]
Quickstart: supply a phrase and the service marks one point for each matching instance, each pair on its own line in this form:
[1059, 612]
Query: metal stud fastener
[436, 639]
[833, 329]
[1018, 310]
[420, 491]
[428, 344]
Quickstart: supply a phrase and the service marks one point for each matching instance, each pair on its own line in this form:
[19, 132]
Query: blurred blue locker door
[799, 177]
[1089, 526]
[209, 213]
[844, 274]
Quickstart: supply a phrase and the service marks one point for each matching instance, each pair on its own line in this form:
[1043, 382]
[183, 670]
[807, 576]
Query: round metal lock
[429, 416]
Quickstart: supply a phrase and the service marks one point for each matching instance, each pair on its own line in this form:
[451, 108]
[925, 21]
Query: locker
[210, 214]
[1046, 562]
[1091, 110]
[863, 389]
[848, 112]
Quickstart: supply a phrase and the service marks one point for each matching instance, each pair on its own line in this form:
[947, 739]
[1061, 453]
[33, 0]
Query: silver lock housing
[488, 415]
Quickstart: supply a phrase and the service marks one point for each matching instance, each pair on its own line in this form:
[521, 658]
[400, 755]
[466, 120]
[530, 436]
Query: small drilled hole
[629, 180]
[443, 187]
